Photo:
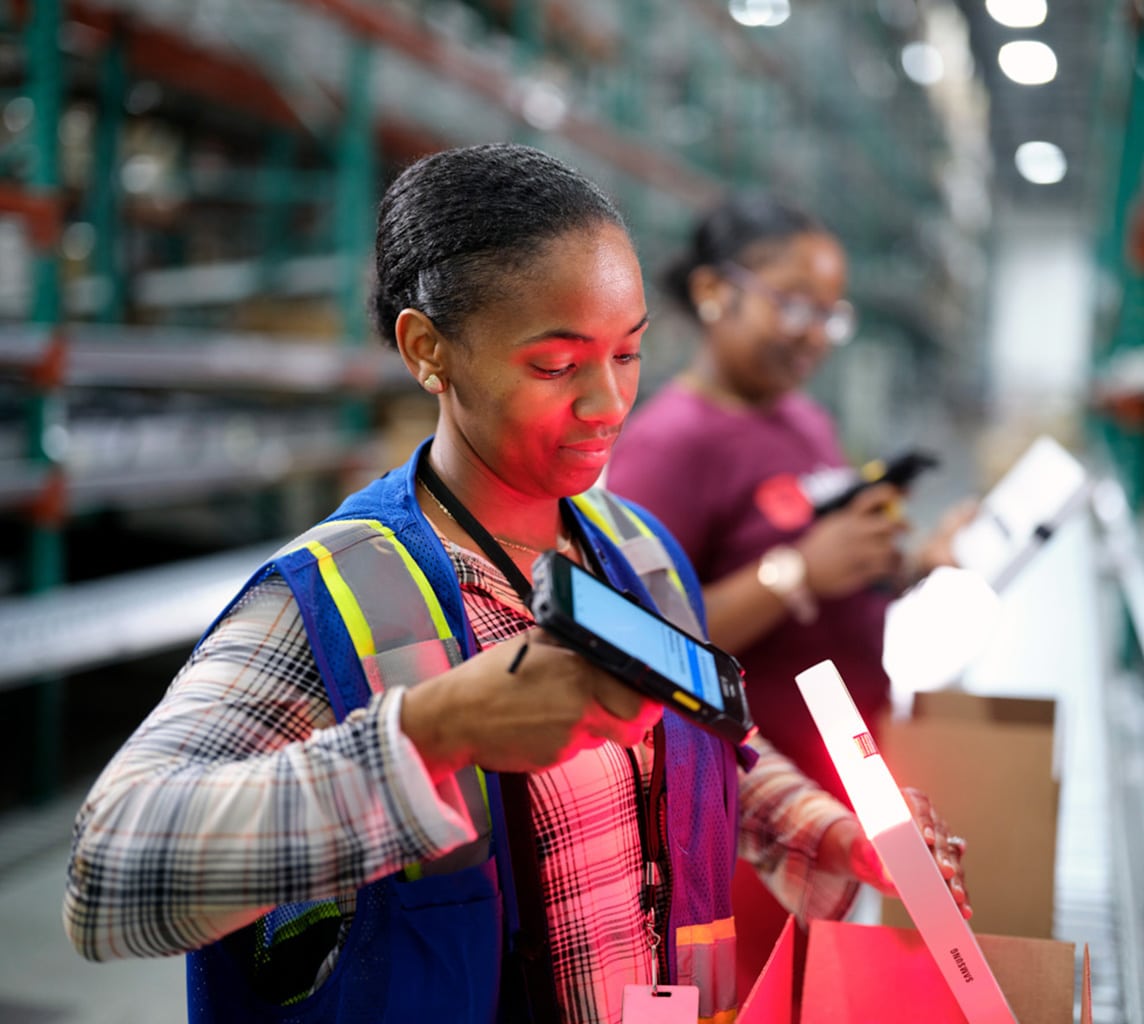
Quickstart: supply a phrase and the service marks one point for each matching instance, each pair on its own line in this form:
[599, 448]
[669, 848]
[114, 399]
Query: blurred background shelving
[187, 370]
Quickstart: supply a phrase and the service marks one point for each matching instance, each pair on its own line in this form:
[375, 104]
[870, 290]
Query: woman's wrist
[431, 725]
[782, 571]
[845, 850]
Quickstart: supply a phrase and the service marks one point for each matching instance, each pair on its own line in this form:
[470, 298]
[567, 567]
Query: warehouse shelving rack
[292, 427]
[314, 117]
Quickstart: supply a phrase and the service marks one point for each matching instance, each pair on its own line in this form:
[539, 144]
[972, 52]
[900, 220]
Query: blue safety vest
[382, 607]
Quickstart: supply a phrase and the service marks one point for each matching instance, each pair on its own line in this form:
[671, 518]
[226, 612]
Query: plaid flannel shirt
[240, 792]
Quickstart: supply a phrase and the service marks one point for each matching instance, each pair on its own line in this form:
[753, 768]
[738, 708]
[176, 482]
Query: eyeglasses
[796, 312]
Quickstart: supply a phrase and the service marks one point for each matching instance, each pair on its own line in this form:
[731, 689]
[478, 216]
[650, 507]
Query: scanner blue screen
[627, 626]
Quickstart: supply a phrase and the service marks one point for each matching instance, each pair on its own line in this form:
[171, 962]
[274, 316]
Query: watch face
[782, 570]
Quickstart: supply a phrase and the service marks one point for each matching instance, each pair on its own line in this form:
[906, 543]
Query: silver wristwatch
[782, 570]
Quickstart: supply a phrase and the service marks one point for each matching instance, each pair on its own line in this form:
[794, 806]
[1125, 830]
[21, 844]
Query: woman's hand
[550, 706]
[855, 546]
[948, 849]
[846, 850]
[937, 549]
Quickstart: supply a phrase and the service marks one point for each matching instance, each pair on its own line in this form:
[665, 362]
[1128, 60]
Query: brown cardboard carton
[842, 973]
[988, 765]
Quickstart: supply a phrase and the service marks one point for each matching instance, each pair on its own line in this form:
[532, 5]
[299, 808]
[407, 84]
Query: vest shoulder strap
[412, 639]
[645, 551]
[398, 629]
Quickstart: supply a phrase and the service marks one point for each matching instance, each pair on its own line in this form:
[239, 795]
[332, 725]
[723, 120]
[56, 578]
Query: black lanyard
[487, 542]
[530, 951]
[472, 526]
[649, 808]
[528, 982]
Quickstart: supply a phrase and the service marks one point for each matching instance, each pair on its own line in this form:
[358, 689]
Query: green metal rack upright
[1125, 440]
[45, 554]
[1118, 428]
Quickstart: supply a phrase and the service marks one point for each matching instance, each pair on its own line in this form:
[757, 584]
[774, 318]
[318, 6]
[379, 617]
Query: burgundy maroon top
[730, 483]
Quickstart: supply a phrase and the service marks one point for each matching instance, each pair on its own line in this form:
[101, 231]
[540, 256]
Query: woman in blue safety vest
[377, 792]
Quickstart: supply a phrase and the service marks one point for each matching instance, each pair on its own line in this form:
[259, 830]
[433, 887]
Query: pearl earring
[709, 310]
[433, 384]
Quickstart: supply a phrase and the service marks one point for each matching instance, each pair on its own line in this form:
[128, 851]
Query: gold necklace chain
[562, 543]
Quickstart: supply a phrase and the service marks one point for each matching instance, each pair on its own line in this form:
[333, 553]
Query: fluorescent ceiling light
[1028, 62]
[1042, 163]
[755, 13]
[923, 63]
[1017, 13]
[544, 105]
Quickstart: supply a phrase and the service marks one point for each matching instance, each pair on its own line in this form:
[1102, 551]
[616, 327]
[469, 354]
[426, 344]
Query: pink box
[841, 973]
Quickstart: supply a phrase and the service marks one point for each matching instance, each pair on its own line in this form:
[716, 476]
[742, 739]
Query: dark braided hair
[456, 229]
[738, 230]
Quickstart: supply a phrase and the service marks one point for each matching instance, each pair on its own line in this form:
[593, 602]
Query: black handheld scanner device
[899, 471]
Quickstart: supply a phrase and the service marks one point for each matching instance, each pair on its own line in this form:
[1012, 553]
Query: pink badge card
[667, 1004]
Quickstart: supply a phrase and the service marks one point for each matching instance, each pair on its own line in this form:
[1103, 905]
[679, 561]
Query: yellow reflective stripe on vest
[436, 612]
[705, 934]
[349, 609]
[416, 871]
[672, 573]
[347, 604]
[585, 504]
[361, 635]
[722, 1017]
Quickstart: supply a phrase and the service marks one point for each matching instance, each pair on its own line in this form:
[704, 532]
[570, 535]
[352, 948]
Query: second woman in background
[725, 453]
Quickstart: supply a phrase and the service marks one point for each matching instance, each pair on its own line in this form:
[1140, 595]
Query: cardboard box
[988, 765]
[841, 973]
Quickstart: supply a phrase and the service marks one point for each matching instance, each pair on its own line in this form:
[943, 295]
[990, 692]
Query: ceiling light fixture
[759, 13]
[1042, 163]
[1028, 62]
[1017, 13]
[543, 105]
[923, 63]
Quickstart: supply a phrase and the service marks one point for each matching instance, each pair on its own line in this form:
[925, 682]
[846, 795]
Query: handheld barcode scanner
[899, 471]
[694, 678]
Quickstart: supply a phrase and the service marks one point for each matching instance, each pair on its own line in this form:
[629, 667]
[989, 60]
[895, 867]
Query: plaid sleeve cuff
[785, 816]
[819, 894]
